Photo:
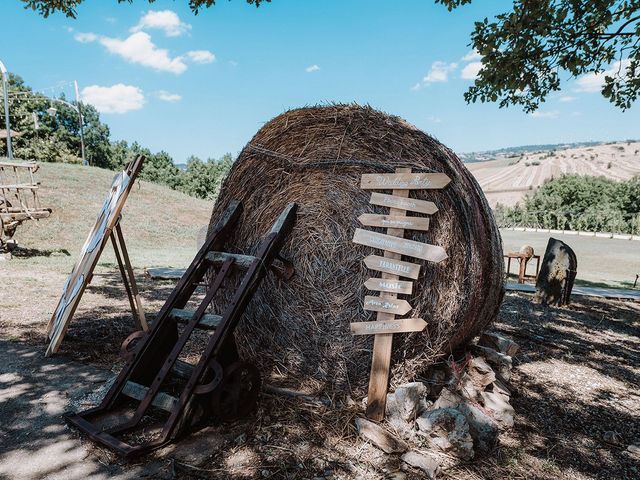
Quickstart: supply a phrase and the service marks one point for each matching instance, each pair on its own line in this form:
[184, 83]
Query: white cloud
[168, 96]
[433, 119]
[416, 87]
[166, 20]
[312, 68]
[470, 71]
[472, 56]
[548, 114]
[85, 37]
[118, 98]
[593, 82]
[566, 98]
[138, 48]
[201, 56]
[439, 72]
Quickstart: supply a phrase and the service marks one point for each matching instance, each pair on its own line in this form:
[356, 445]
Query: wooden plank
[394, 221]
[404, 181]
[386, 305]
[401, 325]
[162, 400]
[433, 253]
[208, 321]
[218, 258]
[392, 266]
[410, 204]
[139, 311]
[393, 286]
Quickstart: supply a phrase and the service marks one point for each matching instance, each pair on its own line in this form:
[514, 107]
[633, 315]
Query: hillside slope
[160, 225]
[508, 180]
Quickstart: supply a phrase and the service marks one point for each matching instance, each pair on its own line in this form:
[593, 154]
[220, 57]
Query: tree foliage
[528, 50]
[57, 139]
[575, 202]
[68, 7]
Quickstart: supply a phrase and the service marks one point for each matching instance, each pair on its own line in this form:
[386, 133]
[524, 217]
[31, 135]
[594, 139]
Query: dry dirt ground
[575, 378]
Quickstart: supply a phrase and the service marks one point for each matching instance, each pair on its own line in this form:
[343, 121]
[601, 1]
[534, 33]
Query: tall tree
[527, 51]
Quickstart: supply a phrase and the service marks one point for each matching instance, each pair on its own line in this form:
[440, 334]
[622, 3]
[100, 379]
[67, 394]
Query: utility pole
[5, 89]
[84, 158]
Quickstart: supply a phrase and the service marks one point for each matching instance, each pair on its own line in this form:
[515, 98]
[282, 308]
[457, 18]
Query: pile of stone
[454, 415]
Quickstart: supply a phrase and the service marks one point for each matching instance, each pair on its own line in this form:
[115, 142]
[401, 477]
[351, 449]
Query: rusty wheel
[238, 392]
[128, 347]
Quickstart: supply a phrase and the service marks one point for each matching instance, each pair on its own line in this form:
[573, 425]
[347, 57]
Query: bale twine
[298, 331]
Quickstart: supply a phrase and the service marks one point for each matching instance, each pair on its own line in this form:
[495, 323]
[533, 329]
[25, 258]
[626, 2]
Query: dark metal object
[219, 385]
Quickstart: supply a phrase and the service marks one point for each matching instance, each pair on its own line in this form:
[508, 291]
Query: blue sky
[205, 84]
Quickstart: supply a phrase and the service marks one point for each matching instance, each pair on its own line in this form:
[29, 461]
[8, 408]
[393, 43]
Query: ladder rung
[207, 322]
[243, 261]
[182, 369]
[162, 400]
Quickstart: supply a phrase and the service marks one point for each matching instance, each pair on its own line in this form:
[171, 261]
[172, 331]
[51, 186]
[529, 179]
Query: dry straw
[298, 332]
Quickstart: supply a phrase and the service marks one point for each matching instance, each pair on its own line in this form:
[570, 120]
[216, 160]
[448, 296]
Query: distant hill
[507, 175]
[509, 152]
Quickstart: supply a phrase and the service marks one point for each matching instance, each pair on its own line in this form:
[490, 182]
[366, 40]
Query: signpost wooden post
[387, 305]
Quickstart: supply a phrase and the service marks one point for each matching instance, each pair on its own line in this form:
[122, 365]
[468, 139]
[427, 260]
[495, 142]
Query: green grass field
[602, 262]
[160, 224]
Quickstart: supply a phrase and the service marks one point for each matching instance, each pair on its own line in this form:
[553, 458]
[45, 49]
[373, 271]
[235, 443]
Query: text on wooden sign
[396, 267]
[433, 253]
[388, 326]
[391, 286]
[404, 181]
[394, 221]
[386, 305]
[410, 204]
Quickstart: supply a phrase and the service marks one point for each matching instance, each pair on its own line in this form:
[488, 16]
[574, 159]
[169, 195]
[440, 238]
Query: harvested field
[508, 180]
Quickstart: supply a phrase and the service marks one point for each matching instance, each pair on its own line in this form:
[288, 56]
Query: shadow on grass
[23, 252]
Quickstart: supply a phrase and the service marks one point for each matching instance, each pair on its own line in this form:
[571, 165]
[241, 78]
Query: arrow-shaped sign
[396, 267]
[403, 181]
[388, 326]
[403, 203]
[392, 286]
[394, 221]
[402, 246]
[386, 305]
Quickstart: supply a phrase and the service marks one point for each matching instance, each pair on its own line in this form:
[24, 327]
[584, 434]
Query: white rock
[428, 463]
[499, 343]
[501, 362]
[500, 408]
[448, 429]
[407, 401]
[380, 437]
[483, 429]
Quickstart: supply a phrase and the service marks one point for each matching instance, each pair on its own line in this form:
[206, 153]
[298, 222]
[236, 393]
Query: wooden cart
[19, 199]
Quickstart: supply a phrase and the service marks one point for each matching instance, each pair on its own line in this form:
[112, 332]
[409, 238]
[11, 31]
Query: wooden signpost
[107, 226]
[394, 245]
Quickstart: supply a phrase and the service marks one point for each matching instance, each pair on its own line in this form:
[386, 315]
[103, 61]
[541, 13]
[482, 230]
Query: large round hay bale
[314, 156]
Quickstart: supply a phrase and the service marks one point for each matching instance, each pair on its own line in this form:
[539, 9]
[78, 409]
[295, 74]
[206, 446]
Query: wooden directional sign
[389, 265]
[393, 286]
[392, 267]
[402, 246]
[409, 204]
[404, 181]
[394, 221]
[402, 325]
[386, 305]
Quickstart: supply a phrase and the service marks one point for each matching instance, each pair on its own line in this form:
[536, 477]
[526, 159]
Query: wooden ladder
[168, 394]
